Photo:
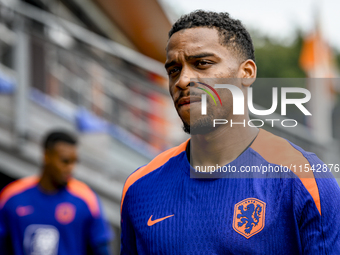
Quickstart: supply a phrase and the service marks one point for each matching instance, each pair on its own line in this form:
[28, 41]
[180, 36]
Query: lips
[188, 100]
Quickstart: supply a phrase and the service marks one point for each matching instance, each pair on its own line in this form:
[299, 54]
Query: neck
[221, 146]
[47, 185]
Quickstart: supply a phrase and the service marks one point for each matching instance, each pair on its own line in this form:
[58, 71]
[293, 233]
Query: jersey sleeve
[5, 240]
[128, 234]
[319, 226]
[128, 238]
[3, 227]
[3, 230]
[100, 232]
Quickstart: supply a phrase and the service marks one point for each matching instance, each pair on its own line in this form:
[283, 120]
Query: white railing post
[22, 68]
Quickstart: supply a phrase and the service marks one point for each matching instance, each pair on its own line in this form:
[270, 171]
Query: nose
[183, 81]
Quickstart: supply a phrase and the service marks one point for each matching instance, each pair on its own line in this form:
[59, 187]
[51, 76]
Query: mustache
[187, 94]
[190, 92]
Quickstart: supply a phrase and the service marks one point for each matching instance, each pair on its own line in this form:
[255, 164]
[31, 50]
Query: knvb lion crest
[249, 215]
[65, 213]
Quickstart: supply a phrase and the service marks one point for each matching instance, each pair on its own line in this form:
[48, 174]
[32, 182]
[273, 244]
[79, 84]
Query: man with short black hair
[53, 213]
[168, 207]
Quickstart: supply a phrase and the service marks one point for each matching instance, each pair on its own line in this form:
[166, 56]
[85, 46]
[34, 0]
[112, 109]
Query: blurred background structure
[96, 68]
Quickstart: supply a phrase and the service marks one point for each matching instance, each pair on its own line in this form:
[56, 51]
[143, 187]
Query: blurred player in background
[165, 211]
[54, 213]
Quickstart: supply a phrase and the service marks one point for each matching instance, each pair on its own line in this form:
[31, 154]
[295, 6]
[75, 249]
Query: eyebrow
[201, 55]
[167, 65]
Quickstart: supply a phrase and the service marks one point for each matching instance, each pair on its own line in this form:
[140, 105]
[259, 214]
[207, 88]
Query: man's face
[60, 161]
[197, 53]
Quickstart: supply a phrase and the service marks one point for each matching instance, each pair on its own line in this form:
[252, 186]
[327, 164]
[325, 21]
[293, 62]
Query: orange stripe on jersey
[277, 150]
[158, 161]
[82, 191]
[16, 188]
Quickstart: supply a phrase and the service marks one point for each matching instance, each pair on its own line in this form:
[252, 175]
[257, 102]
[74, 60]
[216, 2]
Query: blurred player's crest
[65, 212]
[249, 216]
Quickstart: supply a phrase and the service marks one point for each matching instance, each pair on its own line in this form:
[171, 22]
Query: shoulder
[279, 151]
[16, 188]
[156, 163]
[86, 194]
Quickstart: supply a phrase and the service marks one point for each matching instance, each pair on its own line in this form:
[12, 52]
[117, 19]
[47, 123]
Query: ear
[247, 72]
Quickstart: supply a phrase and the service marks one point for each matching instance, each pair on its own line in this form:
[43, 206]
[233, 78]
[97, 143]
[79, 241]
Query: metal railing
[83, 70]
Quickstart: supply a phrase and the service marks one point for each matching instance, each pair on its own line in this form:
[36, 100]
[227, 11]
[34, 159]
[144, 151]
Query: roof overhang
[143, 22]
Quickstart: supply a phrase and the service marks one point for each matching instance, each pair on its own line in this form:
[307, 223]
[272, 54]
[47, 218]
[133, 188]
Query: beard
[203, 124]
[200, 127]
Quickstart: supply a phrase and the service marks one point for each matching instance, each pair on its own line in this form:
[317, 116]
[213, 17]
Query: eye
[203, 63]
[173, 71]
[65, 161]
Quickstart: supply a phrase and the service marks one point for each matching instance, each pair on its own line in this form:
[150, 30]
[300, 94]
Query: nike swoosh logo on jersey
[24, 210]
[152, 222]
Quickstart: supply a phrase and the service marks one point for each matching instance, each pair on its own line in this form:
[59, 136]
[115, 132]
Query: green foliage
[337, 58]
[277, 60]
